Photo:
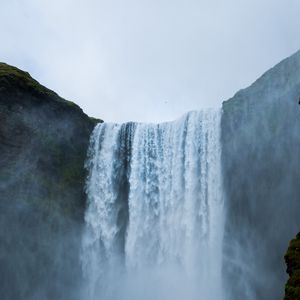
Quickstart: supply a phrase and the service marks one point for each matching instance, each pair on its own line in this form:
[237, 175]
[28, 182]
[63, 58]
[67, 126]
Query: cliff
[260, 161]
[43, 145]
[292, 259]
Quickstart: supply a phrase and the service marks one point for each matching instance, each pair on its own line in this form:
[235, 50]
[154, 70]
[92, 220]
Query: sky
[147, 60]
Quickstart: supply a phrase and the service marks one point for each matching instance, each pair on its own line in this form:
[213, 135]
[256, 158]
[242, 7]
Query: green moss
[15, 76]
[294, 279]
[71, 103]
[292, 258]
[73, 172]
[292, 293]
[22, 78]
[95, 120]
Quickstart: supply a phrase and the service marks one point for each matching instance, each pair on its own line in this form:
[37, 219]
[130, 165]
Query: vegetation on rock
[43, 145]
[14, 80]
[292, 259]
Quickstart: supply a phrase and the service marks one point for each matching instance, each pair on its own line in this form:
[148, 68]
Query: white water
[154, 221]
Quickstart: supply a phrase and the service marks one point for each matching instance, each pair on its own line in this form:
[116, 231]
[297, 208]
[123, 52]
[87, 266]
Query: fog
[147, 60]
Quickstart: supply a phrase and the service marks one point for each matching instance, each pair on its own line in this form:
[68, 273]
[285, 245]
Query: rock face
[43, 144]
[261, 170]
[292, 259]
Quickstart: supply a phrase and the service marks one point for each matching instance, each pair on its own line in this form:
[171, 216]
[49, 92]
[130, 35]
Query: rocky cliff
[292, 259]
[43, 144]
[261, 159]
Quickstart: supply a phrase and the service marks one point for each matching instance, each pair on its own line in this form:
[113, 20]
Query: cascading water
[154, 220]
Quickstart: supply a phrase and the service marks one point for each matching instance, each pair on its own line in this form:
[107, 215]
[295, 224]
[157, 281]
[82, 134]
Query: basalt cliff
[43, 144]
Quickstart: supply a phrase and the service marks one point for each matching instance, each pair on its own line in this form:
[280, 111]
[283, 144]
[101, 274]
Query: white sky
[147, 60]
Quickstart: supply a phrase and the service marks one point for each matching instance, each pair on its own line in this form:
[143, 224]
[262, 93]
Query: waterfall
[154, 218]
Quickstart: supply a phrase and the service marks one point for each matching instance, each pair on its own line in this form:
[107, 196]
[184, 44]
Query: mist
[154, 216]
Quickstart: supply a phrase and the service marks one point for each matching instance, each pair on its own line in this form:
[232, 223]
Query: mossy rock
[43, 144]
[13, 79]
[292, 258]
[23, 79]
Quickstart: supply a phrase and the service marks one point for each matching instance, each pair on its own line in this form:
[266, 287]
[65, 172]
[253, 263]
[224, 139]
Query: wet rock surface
[43, 145]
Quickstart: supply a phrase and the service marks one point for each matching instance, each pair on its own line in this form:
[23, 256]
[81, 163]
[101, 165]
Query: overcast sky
[147, 60]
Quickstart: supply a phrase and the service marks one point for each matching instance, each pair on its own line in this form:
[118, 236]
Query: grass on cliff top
[19, 78]
[24, 80]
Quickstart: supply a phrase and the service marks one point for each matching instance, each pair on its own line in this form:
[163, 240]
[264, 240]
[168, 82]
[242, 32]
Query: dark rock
[292, 259]
[43, 145]
[260, 161]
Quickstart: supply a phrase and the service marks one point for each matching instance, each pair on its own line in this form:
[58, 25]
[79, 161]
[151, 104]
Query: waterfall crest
[155, 216]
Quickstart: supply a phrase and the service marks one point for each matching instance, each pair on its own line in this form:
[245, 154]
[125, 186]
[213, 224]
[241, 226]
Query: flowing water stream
[155, 214]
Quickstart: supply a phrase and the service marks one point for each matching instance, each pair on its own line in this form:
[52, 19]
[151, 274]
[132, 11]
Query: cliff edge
[43, 145]
[260, 163]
